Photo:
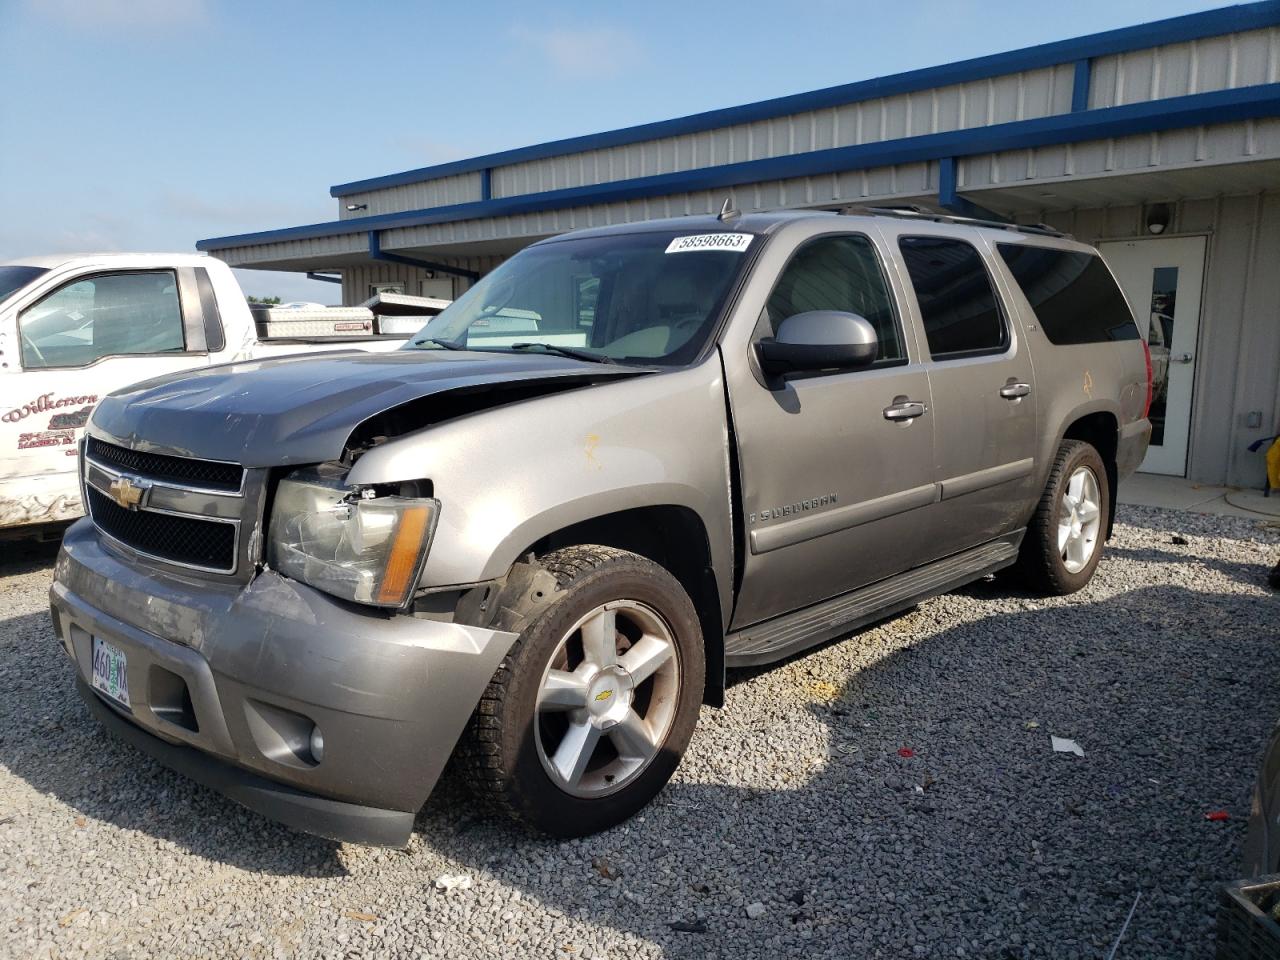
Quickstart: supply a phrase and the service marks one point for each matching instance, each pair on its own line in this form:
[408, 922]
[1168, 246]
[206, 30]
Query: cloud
[583, 51]
[146, 16]
[93, 232]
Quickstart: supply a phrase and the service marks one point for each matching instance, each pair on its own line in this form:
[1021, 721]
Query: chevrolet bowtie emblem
[127, 492]
[603, 695]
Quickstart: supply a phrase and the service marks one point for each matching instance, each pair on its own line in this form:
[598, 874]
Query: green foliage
[265, 301]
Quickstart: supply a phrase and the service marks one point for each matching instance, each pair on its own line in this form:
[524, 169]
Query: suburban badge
[802, 506]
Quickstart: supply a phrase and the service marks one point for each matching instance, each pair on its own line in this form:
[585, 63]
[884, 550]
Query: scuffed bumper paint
[390, 695]
[32, 501]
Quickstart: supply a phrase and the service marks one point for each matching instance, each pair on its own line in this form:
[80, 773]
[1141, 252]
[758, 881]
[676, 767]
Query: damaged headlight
[354, 544]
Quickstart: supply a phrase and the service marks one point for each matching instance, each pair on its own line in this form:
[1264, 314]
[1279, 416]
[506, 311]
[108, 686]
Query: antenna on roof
[728, 211]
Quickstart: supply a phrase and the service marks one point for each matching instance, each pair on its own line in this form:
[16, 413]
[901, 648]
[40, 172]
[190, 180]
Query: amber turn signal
[402, 564]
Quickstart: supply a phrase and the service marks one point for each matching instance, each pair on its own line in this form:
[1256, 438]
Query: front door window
[115, 314]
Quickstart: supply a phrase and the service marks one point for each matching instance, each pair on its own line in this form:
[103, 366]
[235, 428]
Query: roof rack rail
[911, 211]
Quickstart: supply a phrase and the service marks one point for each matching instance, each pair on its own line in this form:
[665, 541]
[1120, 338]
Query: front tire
[590, 712]
[1065, 536]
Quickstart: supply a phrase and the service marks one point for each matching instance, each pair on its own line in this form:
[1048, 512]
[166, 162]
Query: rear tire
[1065, 536]
[590, 712]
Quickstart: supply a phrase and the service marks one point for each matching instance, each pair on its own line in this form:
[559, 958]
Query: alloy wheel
[607, 699]
[1079, 520]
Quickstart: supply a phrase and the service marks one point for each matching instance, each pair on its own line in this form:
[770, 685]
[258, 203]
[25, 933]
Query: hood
[302, 409]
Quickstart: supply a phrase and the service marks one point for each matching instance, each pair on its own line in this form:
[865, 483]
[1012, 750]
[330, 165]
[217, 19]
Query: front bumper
[226, 680]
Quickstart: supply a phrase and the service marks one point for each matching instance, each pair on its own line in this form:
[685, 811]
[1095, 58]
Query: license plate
[109, 671]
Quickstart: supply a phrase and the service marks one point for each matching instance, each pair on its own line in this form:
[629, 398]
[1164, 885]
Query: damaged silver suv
[628, 458]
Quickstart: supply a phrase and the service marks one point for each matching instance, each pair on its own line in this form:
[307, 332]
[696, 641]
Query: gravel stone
[794, 795]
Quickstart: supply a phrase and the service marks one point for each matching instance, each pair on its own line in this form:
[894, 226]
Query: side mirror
[819, 340]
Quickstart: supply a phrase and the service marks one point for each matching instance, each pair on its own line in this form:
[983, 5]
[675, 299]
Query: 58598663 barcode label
[735, 242]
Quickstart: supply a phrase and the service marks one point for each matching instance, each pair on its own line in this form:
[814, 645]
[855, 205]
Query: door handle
[1183, 358]
[904, 409]
[1015, 391]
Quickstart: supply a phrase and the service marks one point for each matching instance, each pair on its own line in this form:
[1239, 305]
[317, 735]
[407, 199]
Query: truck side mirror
[819, 340]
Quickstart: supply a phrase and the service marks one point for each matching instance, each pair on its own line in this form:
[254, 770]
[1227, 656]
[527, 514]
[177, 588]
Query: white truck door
[84, 338]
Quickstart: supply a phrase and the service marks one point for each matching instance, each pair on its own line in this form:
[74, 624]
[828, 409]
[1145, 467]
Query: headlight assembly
[351, 543]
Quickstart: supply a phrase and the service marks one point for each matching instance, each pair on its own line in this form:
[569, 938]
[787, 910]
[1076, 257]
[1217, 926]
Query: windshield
[650, 298]
[14, 278]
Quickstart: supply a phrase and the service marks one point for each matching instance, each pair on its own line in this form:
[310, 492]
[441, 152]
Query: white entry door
[1162, 278]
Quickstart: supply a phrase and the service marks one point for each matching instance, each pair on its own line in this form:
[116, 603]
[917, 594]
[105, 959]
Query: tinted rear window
[957, 302]
[1073, 294]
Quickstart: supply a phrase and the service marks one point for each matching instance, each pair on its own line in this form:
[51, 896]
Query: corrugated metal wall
[904, 182]
[357, 280]
[1238, 357]
[413, 196]
[1214, 63]
[1021, 96]
[1220, 143]
[295, 249]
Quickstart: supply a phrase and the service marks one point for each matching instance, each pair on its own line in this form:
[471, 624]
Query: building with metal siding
[1171, 126]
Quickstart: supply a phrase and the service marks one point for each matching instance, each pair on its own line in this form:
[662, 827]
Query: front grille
[158, 466]
[187, 540]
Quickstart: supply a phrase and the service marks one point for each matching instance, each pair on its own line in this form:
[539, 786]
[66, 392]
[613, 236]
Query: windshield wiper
[447, 344]
[571, 352]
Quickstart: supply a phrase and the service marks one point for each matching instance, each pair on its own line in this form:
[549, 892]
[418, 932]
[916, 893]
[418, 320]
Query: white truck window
[108, 315]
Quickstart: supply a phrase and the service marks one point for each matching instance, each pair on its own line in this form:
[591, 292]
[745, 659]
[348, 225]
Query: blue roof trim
[950, 199]
[1250, 16]
[1221, 106]
[1080, 85]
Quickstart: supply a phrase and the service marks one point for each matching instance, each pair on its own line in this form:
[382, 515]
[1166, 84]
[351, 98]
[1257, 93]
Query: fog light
[317, 744]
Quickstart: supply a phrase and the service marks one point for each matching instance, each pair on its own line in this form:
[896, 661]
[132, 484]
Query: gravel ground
[795, 826]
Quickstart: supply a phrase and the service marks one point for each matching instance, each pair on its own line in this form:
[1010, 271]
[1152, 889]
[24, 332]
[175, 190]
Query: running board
[782, 636]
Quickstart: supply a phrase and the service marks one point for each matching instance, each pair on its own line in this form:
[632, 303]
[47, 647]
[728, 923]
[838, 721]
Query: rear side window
[839, 273]
[1073, 294]
[957, 301]
[213, 338]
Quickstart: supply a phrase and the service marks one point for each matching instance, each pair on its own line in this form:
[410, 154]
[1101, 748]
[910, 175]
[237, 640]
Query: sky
[151, 124]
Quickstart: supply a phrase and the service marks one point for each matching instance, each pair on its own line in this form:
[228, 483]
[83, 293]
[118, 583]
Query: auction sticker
[735, 242]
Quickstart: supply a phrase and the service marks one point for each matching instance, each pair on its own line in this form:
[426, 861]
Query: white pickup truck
[75, 328]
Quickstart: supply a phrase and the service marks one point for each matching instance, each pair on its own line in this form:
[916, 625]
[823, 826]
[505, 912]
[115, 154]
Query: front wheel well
[1102, 432]
[675, 538]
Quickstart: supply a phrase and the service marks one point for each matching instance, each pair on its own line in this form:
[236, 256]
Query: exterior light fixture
[352, 207]
[1158, 219]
